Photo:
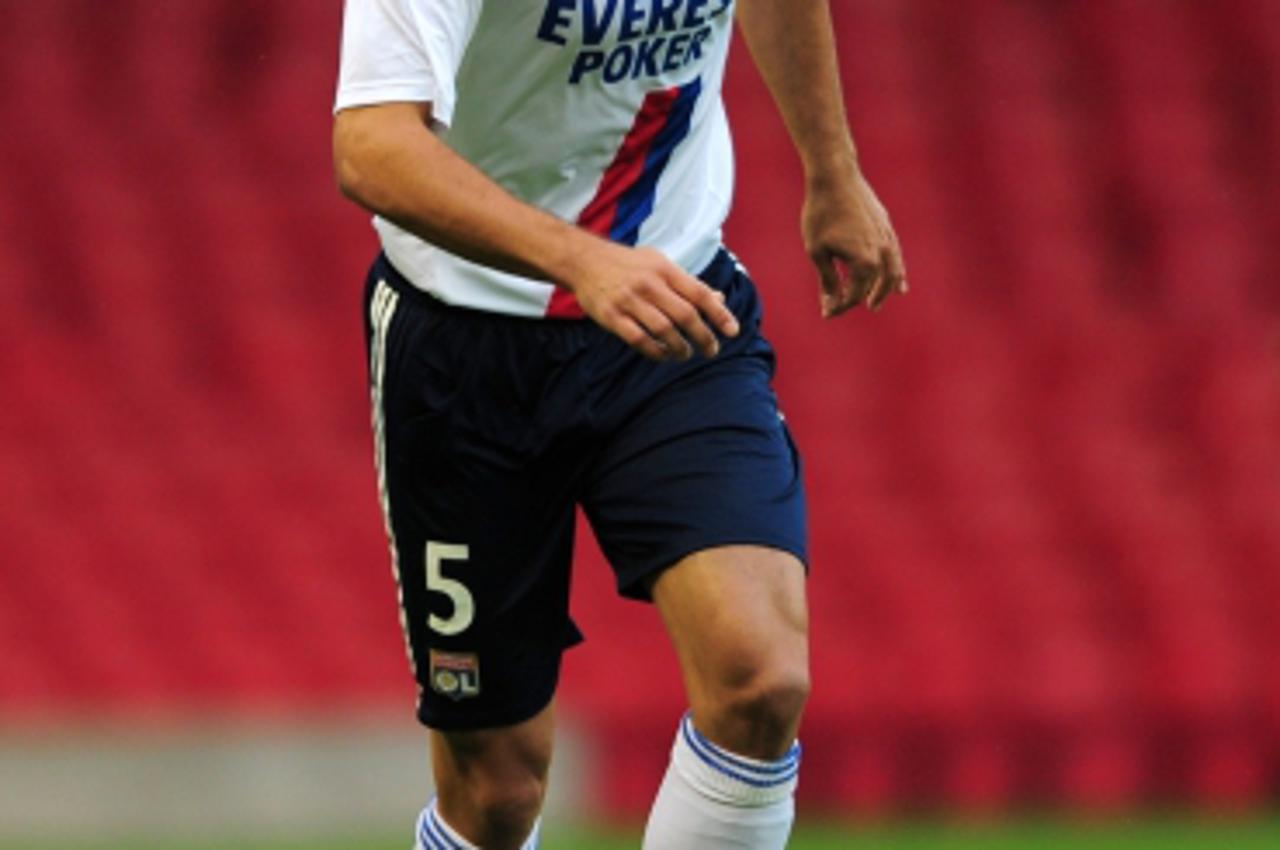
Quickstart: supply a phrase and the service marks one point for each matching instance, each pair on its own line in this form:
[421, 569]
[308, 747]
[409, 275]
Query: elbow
[373, 148]
[347, 158]
[347, 177]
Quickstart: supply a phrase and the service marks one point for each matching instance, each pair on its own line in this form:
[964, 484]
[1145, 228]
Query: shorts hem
[467, 721]
[633, 583]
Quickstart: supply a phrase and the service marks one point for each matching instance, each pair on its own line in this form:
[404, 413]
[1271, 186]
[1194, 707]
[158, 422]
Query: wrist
[570, 261]
[831, 169]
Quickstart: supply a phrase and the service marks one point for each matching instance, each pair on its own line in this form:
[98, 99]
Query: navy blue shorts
[489, 430]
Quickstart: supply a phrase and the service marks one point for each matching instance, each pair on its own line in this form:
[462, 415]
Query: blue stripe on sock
[428, 839]
[442, 838]
[720, 754]
[743, 778]
[792, 767]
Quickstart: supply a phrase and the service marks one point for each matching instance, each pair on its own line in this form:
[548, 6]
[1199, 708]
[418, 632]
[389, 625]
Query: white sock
[712, 799]
[434, 834]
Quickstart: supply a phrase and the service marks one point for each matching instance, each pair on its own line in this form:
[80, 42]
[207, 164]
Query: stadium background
[1045, 486]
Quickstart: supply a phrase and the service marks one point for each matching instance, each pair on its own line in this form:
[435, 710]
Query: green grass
[1148, 834]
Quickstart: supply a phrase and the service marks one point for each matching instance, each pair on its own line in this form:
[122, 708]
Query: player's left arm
[846, 229]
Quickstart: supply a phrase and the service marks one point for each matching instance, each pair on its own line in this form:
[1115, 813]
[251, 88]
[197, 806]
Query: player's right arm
[389, 161]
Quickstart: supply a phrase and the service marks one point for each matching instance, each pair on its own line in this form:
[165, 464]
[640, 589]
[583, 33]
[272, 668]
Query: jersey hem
[404, 282]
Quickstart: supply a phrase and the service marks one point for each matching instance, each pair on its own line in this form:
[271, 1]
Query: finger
[663, 329]
[687, 318]
[886, 283]
[830, 284]
[638, 338]
[900, 268]
[708, 302]
[866, 277]
[856, 278]
[897, 266]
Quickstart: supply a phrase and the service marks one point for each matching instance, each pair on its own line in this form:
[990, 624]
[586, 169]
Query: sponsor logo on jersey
[630, 39]
[455, 675]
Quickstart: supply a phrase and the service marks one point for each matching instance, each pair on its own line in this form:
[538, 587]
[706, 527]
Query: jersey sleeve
[404, 50]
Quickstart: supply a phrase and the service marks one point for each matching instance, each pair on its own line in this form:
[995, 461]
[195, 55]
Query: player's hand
[655, 306]
[848, 235]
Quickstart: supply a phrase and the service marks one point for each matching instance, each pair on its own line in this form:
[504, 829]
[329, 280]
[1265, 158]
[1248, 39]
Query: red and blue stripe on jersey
[629, 187]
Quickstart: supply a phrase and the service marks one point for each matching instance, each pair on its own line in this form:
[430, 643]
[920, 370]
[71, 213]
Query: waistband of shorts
[718, 273]
[386, 270]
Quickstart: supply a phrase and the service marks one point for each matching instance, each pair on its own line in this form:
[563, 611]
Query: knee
[773, 699]
[491, 783]
[758, 702]
[507, 805]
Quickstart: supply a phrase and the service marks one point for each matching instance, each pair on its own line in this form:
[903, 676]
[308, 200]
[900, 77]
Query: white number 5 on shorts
[464, 606]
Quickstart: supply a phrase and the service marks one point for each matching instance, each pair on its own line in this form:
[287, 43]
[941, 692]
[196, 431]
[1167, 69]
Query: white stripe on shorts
[382, 308]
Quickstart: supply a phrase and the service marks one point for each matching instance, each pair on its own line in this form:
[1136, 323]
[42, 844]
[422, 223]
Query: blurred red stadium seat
[1045, 486]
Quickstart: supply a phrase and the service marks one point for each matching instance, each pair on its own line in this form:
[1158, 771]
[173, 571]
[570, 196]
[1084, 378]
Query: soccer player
[553, 321]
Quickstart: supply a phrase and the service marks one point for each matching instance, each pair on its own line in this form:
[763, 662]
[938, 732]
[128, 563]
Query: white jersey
[606, 113]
